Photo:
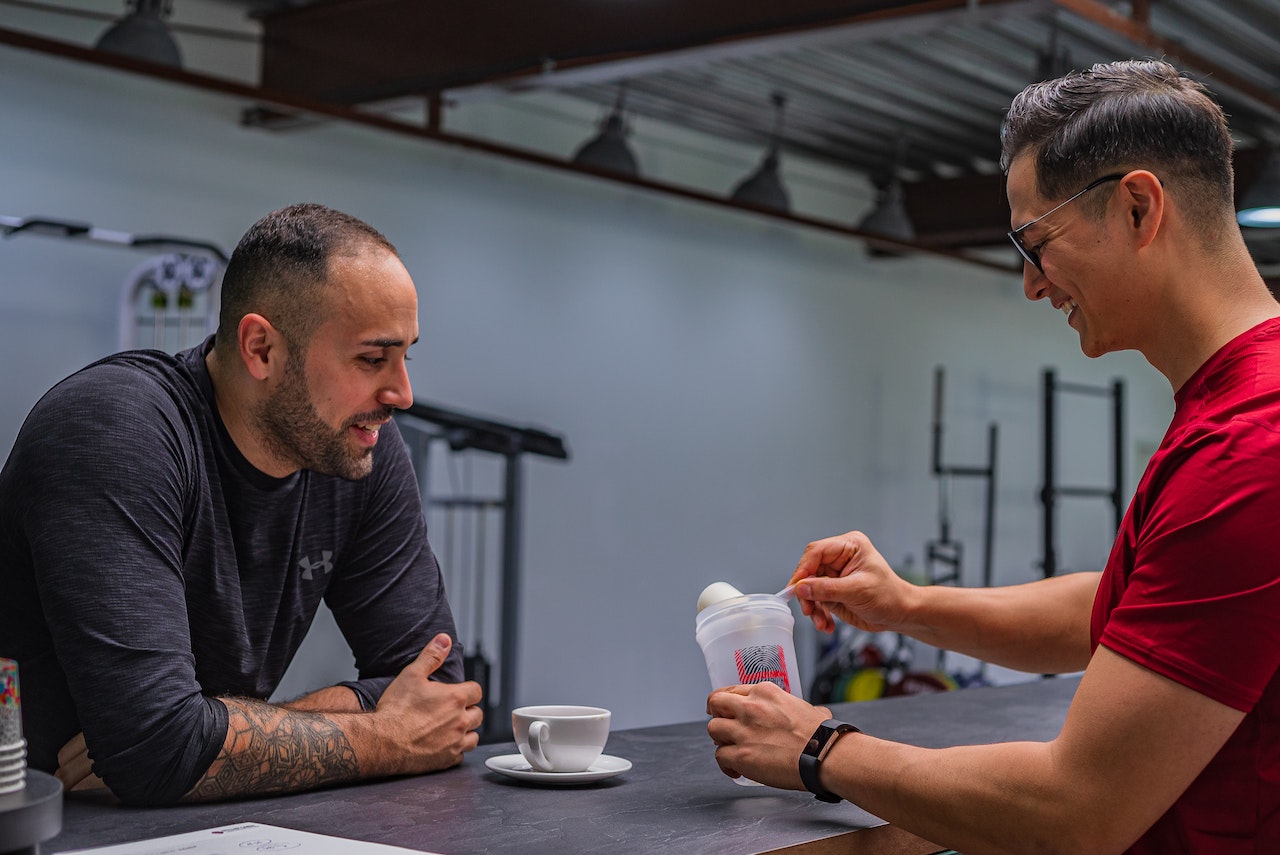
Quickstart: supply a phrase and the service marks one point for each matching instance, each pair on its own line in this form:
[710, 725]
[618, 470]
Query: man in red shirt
[1120, 183]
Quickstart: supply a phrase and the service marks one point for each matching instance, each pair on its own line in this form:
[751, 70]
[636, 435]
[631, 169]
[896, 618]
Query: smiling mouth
[1068, 307]
[369, 429]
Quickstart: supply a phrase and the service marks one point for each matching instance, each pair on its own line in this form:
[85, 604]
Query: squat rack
[1051, 491]
[944, 550]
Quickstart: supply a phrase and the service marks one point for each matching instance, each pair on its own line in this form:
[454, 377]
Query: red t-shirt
[1192, 589]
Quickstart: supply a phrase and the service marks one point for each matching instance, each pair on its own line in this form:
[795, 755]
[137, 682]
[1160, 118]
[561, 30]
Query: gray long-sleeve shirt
[147, 567]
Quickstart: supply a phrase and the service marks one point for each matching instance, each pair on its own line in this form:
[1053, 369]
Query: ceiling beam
[916, 19]
[357, 51]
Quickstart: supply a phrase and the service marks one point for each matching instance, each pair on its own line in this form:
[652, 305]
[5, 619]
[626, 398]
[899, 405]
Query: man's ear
[1144, 198]
[261, 346]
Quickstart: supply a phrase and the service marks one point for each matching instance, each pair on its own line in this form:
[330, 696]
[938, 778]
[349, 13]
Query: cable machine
[461, 518]
[1052, 491]
[169, 302]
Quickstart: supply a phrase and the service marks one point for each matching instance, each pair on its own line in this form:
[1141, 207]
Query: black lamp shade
[764, 187]
[890, 218]
[608, 150]
[142, 34]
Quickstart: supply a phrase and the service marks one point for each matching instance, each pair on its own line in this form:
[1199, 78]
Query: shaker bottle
[748, 639]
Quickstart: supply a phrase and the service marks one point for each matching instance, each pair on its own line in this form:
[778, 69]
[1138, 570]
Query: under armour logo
[324, 564]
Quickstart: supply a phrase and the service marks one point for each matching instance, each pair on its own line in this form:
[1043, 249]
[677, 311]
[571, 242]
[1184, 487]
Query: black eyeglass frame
[1030, 255]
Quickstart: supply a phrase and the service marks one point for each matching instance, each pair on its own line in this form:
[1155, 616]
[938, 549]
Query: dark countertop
[673, 800]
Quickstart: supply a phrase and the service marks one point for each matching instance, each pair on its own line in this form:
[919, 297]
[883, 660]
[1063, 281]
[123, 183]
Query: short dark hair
[281, 265]
[1135, 114]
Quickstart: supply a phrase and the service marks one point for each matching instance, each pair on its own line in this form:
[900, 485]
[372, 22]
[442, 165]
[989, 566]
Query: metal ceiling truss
[872, 86]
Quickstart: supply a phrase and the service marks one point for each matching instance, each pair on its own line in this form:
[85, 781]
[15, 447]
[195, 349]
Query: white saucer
[515, 766]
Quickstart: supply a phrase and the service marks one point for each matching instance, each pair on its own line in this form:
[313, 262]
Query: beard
[293, 431]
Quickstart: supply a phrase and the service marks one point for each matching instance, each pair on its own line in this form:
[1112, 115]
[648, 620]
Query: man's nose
[398, 391]
[1034, 284]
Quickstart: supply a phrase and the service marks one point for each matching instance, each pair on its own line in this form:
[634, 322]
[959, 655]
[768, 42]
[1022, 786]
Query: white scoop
[716, 592]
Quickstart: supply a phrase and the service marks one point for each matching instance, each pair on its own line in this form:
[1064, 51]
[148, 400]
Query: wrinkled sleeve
[107, 467]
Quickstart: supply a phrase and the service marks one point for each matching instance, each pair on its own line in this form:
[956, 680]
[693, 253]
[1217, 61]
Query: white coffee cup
[560, 738]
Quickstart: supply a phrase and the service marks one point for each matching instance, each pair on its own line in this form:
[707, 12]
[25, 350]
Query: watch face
[821, 737]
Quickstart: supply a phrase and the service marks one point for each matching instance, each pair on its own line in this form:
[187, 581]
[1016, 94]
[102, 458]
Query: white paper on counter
[245, 838]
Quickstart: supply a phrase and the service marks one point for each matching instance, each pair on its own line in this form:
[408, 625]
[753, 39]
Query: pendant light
[764, 187]
[143, 34]
[890, 217]
[608, 149]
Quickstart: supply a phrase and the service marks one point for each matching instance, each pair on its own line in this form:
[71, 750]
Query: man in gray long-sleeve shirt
[170, 524]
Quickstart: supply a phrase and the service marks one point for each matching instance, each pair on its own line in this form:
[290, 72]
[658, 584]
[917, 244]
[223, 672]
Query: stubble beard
[293, 431]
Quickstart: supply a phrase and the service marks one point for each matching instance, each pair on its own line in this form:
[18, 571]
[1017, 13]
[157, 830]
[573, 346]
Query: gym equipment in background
[1052, 491]
[480, 562]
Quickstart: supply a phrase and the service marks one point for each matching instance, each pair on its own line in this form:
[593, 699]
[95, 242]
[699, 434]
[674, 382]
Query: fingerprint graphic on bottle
[763, 664]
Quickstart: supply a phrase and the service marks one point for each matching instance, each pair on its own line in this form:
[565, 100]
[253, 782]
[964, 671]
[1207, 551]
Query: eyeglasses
[1031, 255]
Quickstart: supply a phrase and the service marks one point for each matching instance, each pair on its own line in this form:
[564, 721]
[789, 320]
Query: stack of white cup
[13, 748]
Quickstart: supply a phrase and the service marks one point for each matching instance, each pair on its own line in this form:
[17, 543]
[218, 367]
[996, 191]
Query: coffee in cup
[560, 738]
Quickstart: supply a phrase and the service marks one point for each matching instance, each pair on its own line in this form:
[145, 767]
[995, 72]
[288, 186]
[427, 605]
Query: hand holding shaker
[747, 638]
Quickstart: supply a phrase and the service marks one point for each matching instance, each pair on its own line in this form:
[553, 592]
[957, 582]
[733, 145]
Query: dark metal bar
[1048, 497]
[1117, 414]
[466, 502]
[937, 420]
[463, 430]
[989, 530]
[510, 609]
[1084, 389]
[969, 471]
[1089, 492]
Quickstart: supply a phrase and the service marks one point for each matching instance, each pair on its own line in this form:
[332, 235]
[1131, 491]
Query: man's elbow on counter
[156, 789]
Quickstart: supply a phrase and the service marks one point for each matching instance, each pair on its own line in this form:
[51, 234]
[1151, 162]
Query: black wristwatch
[816, 750]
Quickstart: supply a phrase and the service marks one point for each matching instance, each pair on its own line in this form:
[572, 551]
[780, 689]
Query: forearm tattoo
[273, 750]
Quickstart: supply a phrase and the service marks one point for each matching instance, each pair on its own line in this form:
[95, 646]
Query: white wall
[729, 388]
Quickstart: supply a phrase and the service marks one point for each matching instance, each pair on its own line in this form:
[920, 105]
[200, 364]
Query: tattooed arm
[271, 749]
[420, 725]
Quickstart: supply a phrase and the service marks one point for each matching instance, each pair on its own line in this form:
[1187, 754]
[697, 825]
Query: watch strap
[815, 751]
